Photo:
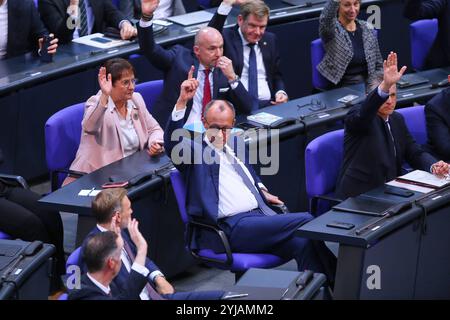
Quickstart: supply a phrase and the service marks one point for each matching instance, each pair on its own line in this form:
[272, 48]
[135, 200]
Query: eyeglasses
[216, 127]
[126, 83]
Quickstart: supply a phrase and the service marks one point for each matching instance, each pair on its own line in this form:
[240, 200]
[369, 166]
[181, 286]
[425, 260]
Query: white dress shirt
[106, 290]
[196, 112]
[130, 139]
[164, 10]
[3, 28]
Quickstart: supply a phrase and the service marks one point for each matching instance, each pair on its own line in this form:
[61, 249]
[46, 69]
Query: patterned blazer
[339, 49]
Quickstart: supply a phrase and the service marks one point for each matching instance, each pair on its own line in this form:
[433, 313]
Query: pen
[93, 188]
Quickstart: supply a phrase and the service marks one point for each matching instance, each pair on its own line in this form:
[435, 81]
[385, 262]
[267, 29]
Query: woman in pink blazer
[116, 122]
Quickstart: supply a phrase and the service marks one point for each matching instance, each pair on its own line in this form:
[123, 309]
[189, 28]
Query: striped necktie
[83, 27]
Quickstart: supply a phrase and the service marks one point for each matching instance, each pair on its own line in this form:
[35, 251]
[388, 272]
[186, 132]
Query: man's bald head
[208, 46]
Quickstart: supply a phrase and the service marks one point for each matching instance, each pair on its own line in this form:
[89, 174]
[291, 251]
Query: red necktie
[151, 292]
[206, 90]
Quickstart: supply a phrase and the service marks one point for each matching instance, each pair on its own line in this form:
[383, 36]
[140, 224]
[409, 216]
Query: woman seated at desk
[352, 52]
[116, 122]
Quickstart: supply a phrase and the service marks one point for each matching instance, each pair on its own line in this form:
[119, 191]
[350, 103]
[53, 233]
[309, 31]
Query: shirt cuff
[224, 9]
[178, 114]
[154, 274]
[382, 94]
[262, 186]
[122, 22]
[281, 91]
[140, 269]
[145, 24]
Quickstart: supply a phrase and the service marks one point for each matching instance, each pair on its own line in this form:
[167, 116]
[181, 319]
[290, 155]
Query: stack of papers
[420, 181]
[264, 118]
[99, 41]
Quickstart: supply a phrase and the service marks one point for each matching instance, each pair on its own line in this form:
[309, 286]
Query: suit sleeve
[177, 142]
[360, 117]
[133, 286]
[159, 57]
[54, 21]
[327, 20]
[93, 115]
[112, 15]
[276, 72]
[241, 99]
[424, 9]
[37, 27]
[438, 131]
[217, 21]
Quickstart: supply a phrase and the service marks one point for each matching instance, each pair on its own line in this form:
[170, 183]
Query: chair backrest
[416, 123]
[74, 258]
[62, 138]
[422, 35]
[150, 91]
[4, 236]
[317, 54]
[323, 160]
[179, 188]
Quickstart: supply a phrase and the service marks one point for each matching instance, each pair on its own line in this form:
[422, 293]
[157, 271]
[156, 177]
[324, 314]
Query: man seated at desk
[437, 114]
[70, 19]
[21, 29]
[224, 191]
[377, 141]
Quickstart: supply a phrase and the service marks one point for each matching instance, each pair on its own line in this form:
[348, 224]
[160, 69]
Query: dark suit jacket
[24, 28]
[439, 54]
[233, 49]
[176, 63]
[89, 291]
[367, 163]
[54, 14]
[437, 113]
[202, 185]
[120, 282]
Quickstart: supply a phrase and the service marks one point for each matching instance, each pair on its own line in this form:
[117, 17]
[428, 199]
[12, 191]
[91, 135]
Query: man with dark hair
[213, 70]
[377, 141]
[253, 50]
[113, 206]
[102, 257]
[439, 55]
[224, 191]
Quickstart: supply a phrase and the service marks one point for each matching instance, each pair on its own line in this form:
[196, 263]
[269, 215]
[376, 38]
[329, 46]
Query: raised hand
[187, 90]
[149, 6]
[105, 82]
[391, 73]
[234, 2]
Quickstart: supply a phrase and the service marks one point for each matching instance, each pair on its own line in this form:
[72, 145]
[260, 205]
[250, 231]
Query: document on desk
[264, 118]
[98, 40]
[409, 186]
[423, 179]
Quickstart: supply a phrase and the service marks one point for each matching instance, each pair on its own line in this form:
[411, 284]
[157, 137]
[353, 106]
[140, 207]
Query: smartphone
[341, 225]
[116, 184]
[101, 40]
[398, 191]
[45, 56]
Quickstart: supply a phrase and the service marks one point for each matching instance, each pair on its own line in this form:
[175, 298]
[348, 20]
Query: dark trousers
[253, 232]
[22, 217]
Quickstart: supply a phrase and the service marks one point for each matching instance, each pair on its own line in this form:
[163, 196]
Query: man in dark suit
[223, 190]
[102, 257]
[113, 206]
[76, 18]
[210, 68]
[377, 141]
[437, 113]
[253, 50]
[439, 55]
[21, 29]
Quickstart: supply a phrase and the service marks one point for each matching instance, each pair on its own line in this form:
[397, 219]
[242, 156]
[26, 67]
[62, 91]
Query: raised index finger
[191, 73]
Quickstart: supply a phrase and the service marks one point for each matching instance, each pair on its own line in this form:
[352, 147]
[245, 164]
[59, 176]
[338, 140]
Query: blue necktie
[248, 183]
[83, 28]
[253, 75]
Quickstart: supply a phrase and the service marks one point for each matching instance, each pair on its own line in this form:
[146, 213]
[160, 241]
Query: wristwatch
[145, 17]
[236, 80]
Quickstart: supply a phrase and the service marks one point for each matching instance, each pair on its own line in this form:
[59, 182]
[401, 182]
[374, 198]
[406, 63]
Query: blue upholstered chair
[74, 258]
[422, 34]
[62, 138]
[150, 91]
[317, 54]
[416, 123]
[237, 263]
[323, 160]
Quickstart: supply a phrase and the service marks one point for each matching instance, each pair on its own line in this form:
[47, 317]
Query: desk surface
[317, 228]
[67, 198]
